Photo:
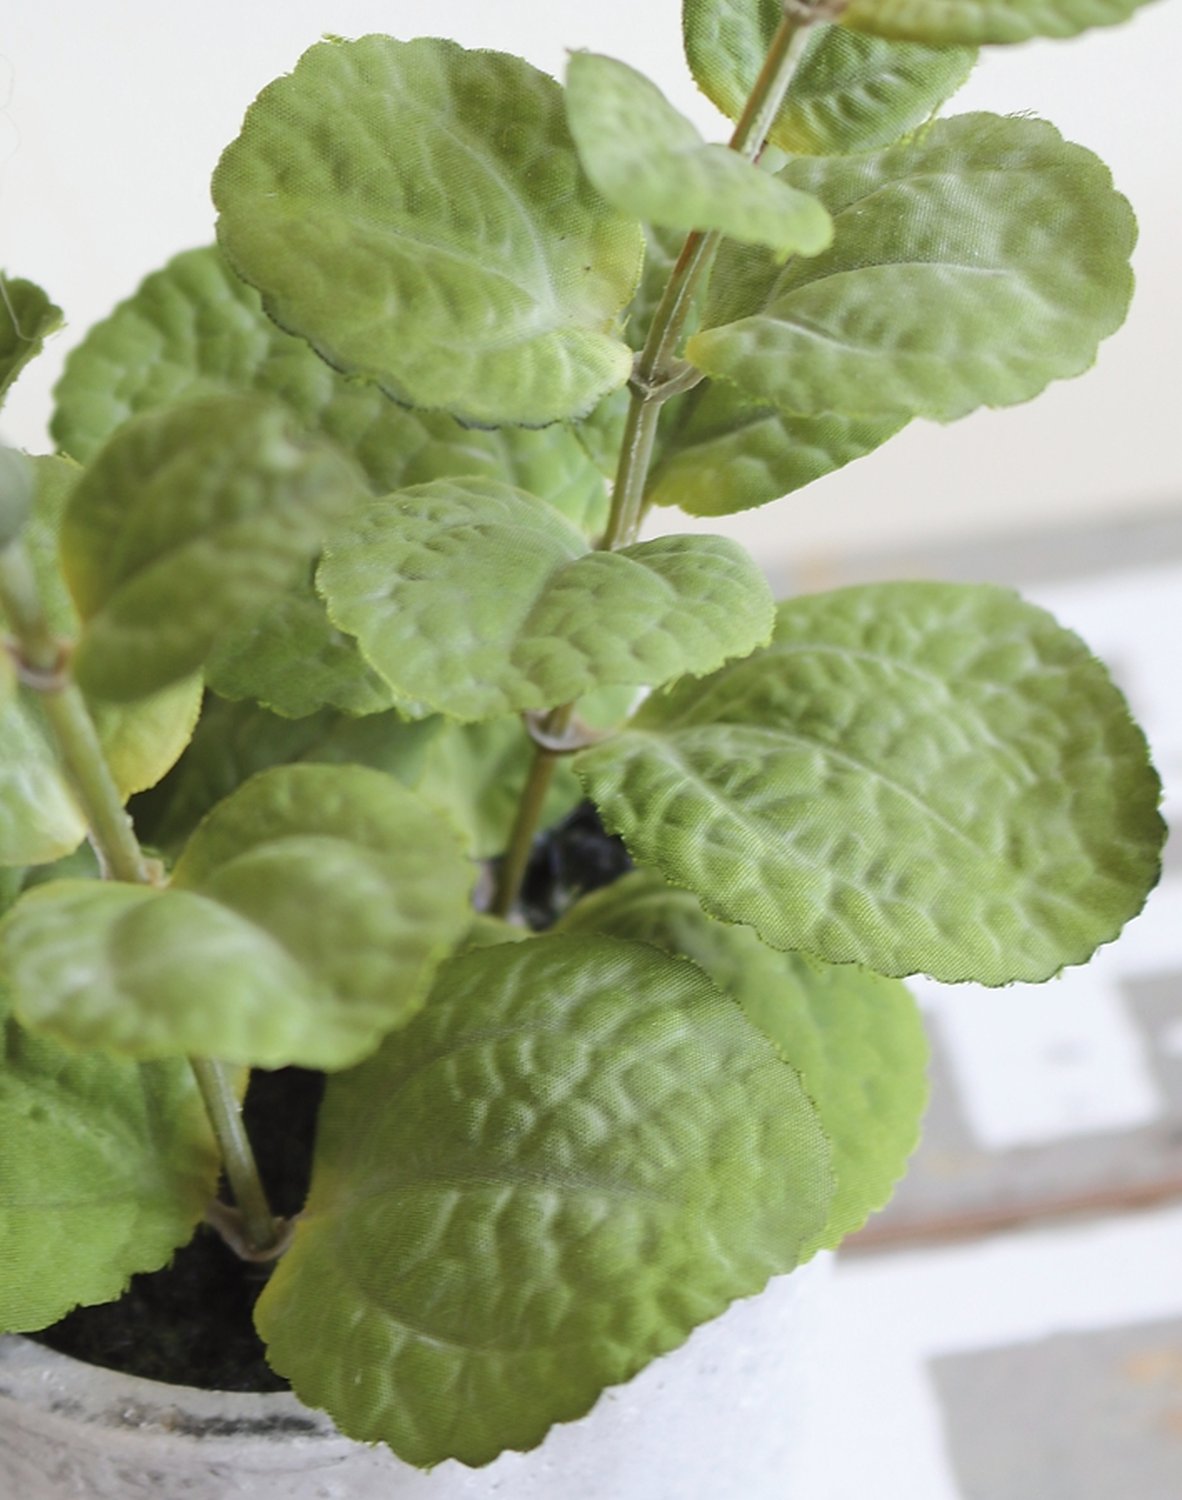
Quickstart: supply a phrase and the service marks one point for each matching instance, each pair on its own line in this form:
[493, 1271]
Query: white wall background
[112, 117]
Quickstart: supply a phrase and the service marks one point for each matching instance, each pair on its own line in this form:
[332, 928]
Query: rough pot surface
[719, 1416]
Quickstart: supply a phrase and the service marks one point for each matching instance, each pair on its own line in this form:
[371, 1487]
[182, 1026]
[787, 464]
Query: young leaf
[106, 1169]
[195, 329]
[40, 819]
[855, 1038]
[976, 21]
[477, 601]
[305, 919]
[720, 454]
[649, 161]
[924, 778]
[27, 318]
[850, 92]
[578, 1151]
[184, 525]
[972, 265]
[440, 239]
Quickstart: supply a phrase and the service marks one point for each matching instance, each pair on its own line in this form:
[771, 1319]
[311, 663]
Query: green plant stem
[43, 660]
[658, 376]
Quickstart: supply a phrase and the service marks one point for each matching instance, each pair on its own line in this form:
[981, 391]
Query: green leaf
[195, 329]
[856, 1039]
[579, 1151]
[849, 93]
[187, 522]
[305, 919]
[294, 661]
[972, 265]
[27, 318]
[475, 600]
[40, 819]
[234, 741]
[976, 21]
[721, 453]
[106, 1169]
[929, 778]
[440, 239]
[649, 161]
[17, 487]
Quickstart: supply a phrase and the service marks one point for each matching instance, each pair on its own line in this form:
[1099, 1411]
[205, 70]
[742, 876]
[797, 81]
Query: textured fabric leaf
[649, 161]
[928, 778]
[305, 919]
[985, 20]
[235, 740]
[850, 92]
[440, 239]
[575, 1154]
[721, 453]
[107, 1167]
[27, 318]
[469, 597]
[187, 522]
[972, 265]
[195, 329]
[856, 1039]
[39, 817]
[17, 486]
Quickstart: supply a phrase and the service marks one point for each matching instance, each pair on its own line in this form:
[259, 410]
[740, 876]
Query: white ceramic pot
[717, 1418]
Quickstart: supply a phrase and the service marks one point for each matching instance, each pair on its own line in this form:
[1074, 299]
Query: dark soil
[191, 1323]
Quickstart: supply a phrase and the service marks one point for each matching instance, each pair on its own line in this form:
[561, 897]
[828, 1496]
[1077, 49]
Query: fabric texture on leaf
[975, 21]
[922, 778]
[577, 1152]
[27, 318]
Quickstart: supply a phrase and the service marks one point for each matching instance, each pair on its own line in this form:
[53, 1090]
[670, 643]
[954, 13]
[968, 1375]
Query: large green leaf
[40, 819]
[27, 318]
[305, 919]
[855, 1038]
[470, 597]
[849, 93]
[928, 778]
[972, 265]
[650, 161]
[107, 1167]
[440, 239]
[185, 525]
[721, 453]
[975, 21]
[575, 1154]
[195, 329]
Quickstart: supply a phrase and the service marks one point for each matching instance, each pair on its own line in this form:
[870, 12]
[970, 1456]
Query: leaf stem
[659, 375]
[43, 663]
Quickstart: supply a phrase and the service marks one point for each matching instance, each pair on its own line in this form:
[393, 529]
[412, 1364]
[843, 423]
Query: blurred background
[1011, 1328]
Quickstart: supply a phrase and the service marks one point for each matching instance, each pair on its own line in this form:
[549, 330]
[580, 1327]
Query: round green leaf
[195, 329]
[855, 1038]
[972, 265]
[107, 1167]
[577, 1152]
[27, 318]
[305, 919]
[649, 161]
[186, 524]
[40, 819]
[476, 601]
[928, 778]
[722, 454]
[440, 238]
[984, 20]
[850, 92]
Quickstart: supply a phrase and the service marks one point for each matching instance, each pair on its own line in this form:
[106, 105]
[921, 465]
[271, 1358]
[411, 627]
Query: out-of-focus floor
[1011, 1327]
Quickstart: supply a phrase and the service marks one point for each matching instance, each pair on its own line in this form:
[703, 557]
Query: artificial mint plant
[329, 557]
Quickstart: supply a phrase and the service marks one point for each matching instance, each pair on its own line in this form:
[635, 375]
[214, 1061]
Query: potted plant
[329, 582]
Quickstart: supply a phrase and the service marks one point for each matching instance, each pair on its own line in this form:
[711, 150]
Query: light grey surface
[1085, 1416]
